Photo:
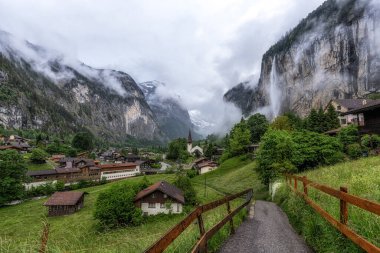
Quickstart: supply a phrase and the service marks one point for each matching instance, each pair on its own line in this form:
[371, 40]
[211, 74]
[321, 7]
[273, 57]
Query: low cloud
[199, 49]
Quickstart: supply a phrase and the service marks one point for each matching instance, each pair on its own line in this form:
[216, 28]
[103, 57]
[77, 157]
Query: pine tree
[332, 118]
[322, 121]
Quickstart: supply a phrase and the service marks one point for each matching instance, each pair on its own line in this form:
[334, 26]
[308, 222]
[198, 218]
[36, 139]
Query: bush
[38, 156]
[370, 141]
[183, 182]
[191, 173]
[349, 135]
[83, 141]
[354, 151]
[115, 207]
[275, 155]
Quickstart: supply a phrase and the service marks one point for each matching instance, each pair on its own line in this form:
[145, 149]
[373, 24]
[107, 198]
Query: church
[197, 151]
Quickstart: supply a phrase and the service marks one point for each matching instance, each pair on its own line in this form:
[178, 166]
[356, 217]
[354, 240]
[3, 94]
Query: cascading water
[274, 91]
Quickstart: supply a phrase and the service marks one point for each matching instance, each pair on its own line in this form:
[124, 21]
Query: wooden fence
[201, 245]
[345, 199]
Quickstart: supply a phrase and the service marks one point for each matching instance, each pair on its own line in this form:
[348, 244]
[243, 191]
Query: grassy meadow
[21, 225]
[362, 178]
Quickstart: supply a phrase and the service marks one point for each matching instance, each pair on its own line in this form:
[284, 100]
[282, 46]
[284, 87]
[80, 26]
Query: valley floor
[21, 225]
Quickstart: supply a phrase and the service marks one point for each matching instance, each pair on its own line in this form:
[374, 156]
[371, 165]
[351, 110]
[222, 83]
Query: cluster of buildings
[365, 113]
[14, 142]
[160, 197]
[70, 170]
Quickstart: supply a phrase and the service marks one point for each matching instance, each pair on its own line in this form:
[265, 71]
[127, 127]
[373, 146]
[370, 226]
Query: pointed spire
[189, 139]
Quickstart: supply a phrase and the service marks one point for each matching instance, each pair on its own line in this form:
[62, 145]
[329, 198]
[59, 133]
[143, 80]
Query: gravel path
[267, 230]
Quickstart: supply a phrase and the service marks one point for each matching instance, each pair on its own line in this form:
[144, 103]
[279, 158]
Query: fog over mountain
[199, 49]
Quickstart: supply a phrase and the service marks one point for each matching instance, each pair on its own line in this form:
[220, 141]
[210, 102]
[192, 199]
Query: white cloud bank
[199, 48]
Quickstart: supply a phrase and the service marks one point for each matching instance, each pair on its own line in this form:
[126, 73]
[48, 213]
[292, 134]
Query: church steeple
[189, 139]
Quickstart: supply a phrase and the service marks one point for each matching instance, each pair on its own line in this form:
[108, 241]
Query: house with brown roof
[342, 106]
[160, 197]
[371, 114]
[206, 166]
[63, 203]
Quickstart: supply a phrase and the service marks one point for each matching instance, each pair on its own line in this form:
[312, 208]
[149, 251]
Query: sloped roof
[207, 163]
[353, 104]
[40, 172]
[64, 199]
[374, 104]
[115, 165]
[163, 187]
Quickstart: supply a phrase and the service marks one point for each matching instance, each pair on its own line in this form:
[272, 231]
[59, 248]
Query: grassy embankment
[362, 178]
[21, 225]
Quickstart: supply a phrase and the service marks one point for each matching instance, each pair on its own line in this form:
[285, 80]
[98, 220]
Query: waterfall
[274, 91]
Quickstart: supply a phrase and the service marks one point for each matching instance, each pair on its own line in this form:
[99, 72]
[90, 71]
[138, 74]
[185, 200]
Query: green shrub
[191, 173]
[370, 141]
[183, 182]
[354, 151]
[115, 207]
[349, 135]
[38, 156]
[275, 155]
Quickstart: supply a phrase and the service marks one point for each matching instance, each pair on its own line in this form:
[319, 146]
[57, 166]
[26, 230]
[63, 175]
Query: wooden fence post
[343, 208]
[203, 246]
[232, 229]
[44, 237]
[304, 181]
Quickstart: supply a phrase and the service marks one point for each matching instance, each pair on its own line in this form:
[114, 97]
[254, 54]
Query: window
[338, 108]
[162, 205]
[177, 207]
[343, 121]
[153, 195]
[165, 196]
[152, 205]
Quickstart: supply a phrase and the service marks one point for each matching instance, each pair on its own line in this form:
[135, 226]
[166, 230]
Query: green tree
[210, 150]
[258, 125]
[332, 118]
[38, 156]
[12, 175]
[240, 137]
[115, 207]
[183, 182]
[275, 155]
[370, 141]
[281, 123]
[177, 150]
[312, 121]
[349, 135]
[83, 141]
[295, 121]
[323, 124]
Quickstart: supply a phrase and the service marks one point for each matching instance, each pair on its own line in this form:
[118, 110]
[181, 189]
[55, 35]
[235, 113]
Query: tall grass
[362, 178]
[21, 225]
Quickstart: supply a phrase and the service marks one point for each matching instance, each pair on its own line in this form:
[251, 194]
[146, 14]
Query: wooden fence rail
[201, 245]
[345, 199]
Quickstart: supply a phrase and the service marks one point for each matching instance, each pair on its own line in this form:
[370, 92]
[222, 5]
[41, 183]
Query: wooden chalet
[161, 197]
[63, 203]
[371, 113]
[115, 171]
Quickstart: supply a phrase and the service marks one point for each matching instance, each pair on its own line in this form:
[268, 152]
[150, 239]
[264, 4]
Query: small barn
[63, 203]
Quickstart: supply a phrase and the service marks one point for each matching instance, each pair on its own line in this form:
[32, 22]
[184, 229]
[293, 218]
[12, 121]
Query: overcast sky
[199, 48]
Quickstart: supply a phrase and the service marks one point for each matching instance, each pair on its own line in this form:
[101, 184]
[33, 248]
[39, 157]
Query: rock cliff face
[333, 53]
[42, 90]
[172, 118]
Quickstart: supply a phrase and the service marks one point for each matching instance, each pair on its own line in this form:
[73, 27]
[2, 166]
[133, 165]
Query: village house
[371, 115]
[206, 166]
[64, 203]
[161, 197]
[342, 106]
[15, 142]
[119, 170]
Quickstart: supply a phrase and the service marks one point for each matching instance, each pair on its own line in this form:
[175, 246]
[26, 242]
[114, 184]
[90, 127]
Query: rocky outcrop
[333, 53]
[40, 90]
